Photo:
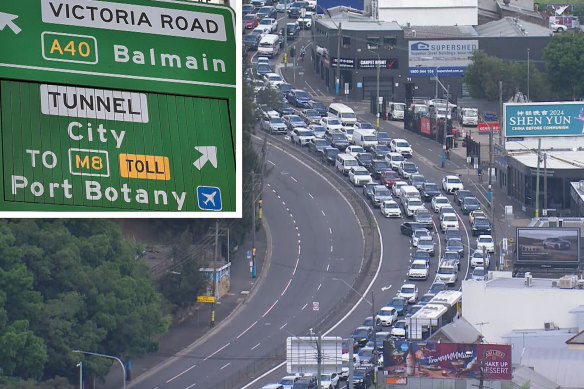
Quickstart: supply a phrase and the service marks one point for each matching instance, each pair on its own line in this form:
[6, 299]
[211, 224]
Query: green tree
[564, 56]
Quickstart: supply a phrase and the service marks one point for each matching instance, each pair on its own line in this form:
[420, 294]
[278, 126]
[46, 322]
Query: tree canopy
[564, 56]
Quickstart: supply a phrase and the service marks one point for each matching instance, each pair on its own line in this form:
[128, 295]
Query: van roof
[340, 107]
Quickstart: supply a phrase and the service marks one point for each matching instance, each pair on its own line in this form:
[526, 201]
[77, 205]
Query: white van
[396, 111]
[407, 192]
[469, 117]
[345, 114]
[269, 45]
[345, 162]
[364, 138]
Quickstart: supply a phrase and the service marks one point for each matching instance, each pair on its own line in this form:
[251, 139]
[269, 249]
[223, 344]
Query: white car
[399, 329]
[288, 381]
[331, 124]
[390, 208]
[417, 234]
[448, 220]
[487, 242]
[556, 27]
[401, 146]
[354, 150]
[394, 159]
[439, 202]
[451, 184]
[479, 258]
[271, 23]
[447, 272]
[409, 292]
[301, 136]
[387, 316]
[359, 176]
[274, 79]
[395, 188]
[412, 205]
[418, 270]
[329, 380]
[479, 273]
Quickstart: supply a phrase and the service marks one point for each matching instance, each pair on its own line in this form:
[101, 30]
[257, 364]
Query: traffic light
[292, 51]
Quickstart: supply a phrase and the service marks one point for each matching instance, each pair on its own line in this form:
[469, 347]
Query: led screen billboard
[548, 246]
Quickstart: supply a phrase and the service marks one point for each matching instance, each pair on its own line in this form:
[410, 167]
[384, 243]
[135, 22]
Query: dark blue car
[298, 98]
[400, 304]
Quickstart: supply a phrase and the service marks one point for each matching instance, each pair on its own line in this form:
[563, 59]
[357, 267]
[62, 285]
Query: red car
[250, 21]
[390, 177]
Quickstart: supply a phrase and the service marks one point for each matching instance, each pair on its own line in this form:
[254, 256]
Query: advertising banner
[346, 63]
[486, 127]
[548, 245]
[425, 125]
[449, 360]
[562, 118]
[384, 63]
[440, 57]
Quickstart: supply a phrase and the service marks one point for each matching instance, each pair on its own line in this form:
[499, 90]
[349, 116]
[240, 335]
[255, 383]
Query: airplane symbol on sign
[209, 198]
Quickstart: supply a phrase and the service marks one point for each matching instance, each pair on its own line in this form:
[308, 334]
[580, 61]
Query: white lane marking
[286, 288]
[271, 162]
[256, 346]
[211, 355]
[284, 325]
[331, 248]
[295, 266]
[179, 374]
[224, 366]
[269, 309]
[330, 230]
[248, 328]
[311, 196]
[304, 307]
[327, 266]
[319, 285]
[293, 179]
[189, 387]
[323, 214]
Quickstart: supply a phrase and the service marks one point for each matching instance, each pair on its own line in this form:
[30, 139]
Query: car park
[487, 242]
[412, 205]
[447, 272]
[451, 184]
[429, 190]
[469, 204]
[389, 177]
[389, 208]
[449, 220]
[401, 146]
[439, 202]
[461, 194]
[399, 303]
[407, 228]
[479, 273]
[409, 292]
[417, 180]
[424, 216]
[387, 315]
[298, 98]
[480, 226]
[301, 136]
[417, 234]
[418, 270]
[359, 176]
[406, 169]
[337, 139]
[380, 194]
[378, 167]
[426, 244]
[399, 329]
[479, 257]
[329, 155]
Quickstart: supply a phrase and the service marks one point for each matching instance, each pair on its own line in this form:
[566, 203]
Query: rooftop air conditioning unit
[528, 278]
[549, 325]
[567, 282]
[553, 222]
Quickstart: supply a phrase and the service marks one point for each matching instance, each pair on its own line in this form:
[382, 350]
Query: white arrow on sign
[7, 20]
[384, 288]
[209, 154]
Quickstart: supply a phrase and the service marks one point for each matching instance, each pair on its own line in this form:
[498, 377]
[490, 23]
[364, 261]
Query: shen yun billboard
[118, 109]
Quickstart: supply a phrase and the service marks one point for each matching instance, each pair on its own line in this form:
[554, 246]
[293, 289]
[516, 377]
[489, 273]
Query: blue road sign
[209, 198]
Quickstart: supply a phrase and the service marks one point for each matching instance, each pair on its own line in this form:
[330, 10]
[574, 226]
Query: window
[389, 42]
[346, 42]
[372, 43]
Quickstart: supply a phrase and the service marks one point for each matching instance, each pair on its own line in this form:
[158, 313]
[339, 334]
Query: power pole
[215, 254]
[500, 113]
[545, 202]
[318, 359]
[350, 342]
[338, 80]
[285, 33]
[253, 226]
[374, 338]
[378, 102]
[537, 178]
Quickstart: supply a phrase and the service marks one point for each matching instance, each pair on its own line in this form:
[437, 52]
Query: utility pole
[215, 254]
[285, 33]
[253, 226]
[374, 338]
[80, 366]
[319, 359]
[338, 80]
[537, 178]
[528, 74]
[545, 199]
[351, 365]
[378, 102]
[500, 113]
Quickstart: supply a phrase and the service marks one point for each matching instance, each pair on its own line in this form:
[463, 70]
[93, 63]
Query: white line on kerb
[211, 355]
[179, 374]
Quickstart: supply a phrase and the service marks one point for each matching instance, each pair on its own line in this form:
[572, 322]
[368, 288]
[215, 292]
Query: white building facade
[429, 12]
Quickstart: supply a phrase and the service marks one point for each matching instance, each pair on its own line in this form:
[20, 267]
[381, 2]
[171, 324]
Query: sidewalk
[196, 328]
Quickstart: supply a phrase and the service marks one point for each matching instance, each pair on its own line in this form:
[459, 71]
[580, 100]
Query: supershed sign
[440, 57]
[115, 109]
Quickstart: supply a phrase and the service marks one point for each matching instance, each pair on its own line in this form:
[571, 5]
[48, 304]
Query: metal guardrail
[371, 254]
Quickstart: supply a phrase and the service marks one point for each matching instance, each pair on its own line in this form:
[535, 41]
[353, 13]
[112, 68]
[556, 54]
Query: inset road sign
[209, 198]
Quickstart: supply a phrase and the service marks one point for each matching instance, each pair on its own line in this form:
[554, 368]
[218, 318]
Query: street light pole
[80, 366]
[528, 74]
[338, 80]
[106, 356]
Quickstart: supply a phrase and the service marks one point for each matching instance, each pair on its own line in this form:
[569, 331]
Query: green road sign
[117, 109]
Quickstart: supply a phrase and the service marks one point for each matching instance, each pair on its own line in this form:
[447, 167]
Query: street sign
[315, 305]
[205, 299]
[302, 354]
[118, 109]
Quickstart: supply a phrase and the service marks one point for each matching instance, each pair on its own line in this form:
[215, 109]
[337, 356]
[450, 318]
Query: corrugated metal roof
[523, 375]
[511, 27]
[563, 366]
[439, 32]
[459, 331]
[558, 160]
[350, 23]
[576, 339]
